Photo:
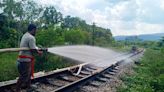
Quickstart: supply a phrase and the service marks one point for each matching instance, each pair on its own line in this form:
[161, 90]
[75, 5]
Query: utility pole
[93, 32]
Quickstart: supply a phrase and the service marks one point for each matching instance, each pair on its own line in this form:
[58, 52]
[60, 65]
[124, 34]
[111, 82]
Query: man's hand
[40, 53]
[44, 49]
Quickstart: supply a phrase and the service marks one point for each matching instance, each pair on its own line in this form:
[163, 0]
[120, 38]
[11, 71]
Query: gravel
[114, 81]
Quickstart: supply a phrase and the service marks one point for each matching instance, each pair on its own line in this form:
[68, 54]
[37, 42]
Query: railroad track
[67, 79]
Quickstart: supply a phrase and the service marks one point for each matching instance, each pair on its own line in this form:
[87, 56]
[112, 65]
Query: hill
[145, 37]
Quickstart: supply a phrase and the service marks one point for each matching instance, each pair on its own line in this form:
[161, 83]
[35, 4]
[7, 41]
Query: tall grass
[48, 62]
[8, 68]
[148, 76]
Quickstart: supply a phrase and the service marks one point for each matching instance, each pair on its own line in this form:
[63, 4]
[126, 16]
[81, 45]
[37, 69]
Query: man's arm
[33, 47]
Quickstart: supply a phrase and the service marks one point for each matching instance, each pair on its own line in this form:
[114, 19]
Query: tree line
[53, 27]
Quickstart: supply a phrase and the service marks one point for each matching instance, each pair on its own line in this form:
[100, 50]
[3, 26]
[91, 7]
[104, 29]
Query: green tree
[74, 36]
[8, 36]
[161, 42]
[71, 22]
[9, 6]
[51, 16]
[50, 37]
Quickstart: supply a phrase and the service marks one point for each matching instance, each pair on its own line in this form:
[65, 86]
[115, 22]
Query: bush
[8, 38]
[149, 75]
[50, 37]
[75, 36]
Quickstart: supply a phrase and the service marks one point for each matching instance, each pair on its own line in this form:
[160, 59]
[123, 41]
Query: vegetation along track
[67, 79]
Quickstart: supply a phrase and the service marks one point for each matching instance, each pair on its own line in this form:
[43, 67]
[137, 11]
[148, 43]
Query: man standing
[26, 60]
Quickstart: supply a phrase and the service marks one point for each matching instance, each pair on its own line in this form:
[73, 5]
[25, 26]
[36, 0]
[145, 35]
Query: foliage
[51, 16]
[50, 37]
[8, 36]
[161, 42]
[17, 15]
[75, 36]
[8, 64]
[149, 75]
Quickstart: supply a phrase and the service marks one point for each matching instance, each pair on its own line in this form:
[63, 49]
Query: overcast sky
[123, 17]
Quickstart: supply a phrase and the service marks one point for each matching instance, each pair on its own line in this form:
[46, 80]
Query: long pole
[93, 32]
[13, 49]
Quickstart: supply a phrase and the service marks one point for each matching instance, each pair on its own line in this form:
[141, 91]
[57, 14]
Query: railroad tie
[65, 78]
[105, 76]
[93, 84]
[112, 70]
[101, 79]
[79, 76]
[111, 73]
[85, 73]
[89, 70]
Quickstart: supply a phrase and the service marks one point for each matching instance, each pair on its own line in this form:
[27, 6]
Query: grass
[148, 76]
[48, 62]
[8, 68]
